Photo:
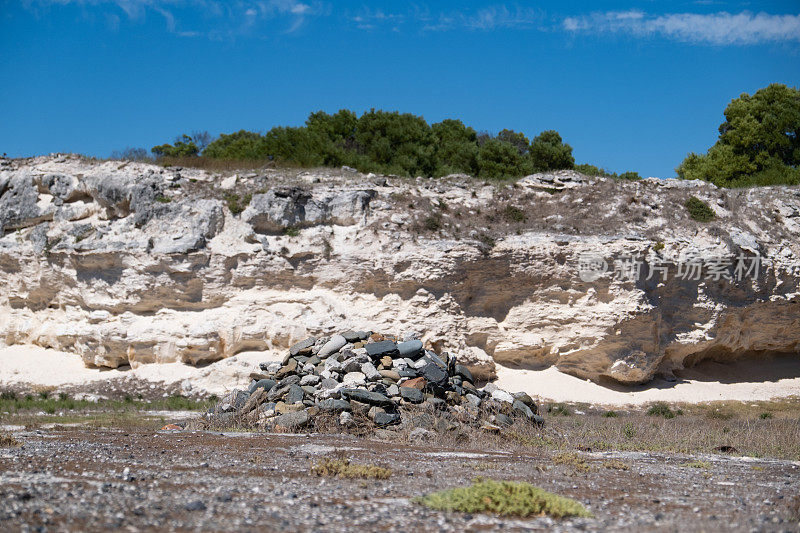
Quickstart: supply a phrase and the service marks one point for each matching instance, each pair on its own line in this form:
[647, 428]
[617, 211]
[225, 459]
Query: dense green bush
[758, 144]
[591, 170]
[387, 142]
[184, 146]
[699, 210]
[548, 152]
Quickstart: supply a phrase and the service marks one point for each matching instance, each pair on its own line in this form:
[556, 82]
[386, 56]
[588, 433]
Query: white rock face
[129, 263]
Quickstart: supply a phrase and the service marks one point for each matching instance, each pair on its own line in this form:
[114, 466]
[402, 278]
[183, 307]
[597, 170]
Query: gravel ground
[87, 480]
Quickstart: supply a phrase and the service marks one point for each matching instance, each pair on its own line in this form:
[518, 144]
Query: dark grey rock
[408, 373]
[411, 349]
[365, 396]
[265, 384]
[295, 394]
[334, 404]
[433, 373]
[386, 419]
[355, 336]
[289, 380]
[411, 395]
[376, 350]
[303, 347]
[503, 420]
[438, 361]
[464, 373]
[295, 420]
[527, 400]
[328, 383]
[522, 409]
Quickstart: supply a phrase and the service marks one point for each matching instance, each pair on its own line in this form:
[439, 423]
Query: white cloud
[222, 17]
[716, 28]
[485, 19]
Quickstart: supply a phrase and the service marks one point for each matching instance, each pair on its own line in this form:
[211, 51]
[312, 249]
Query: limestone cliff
[129, 263]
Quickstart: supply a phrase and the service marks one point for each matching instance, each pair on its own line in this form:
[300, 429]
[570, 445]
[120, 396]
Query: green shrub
[699, 210]
[549, 152]
[291, 231]
[514, 214]
[610, 414]
[629, 176]
[389, 143]
[765, 416]
[237, 204]
[433, 223]
[758, 144]
[506, 498]
[184, 146]
[661, 409]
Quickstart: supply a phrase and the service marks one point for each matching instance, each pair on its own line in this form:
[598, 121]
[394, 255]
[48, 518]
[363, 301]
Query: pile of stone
[358, 378]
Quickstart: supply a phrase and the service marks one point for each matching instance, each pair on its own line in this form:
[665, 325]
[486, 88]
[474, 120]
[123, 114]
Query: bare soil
[76, 479]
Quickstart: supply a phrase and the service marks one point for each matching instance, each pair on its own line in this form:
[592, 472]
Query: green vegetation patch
[514, 214]
[345, 469]
[699, 210]
[507, 498]
[236, 203]
[758, 144]
[663, 410]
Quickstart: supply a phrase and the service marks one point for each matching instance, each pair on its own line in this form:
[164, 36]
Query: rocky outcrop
[128, 263]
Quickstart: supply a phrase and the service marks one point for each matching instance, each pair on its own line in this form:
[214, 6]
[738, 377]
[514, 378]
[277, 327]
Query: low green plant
[765, 416]
[506, 498]
[661, 409]
[610, 414]
[560, 409]
[237, 204]
[163, 199]
[291, 231]
[433, 223]
[699, 210]
[514, 214]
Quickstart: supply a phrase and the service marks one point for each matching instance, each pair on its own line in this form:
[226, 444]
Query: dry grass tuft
[506, 498]
[697, 464]
[345, 469]
[615, 464]
[573, 460]
[8, 441]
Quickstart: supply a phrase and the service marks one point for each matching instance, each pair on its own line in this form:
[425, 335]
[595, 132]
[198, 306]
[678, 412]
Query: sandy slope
[746, 381]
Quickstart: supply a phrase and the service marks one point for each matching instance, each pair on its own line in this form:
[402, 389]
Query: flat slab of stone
[376, 350]
[411, 349]
[365, 396]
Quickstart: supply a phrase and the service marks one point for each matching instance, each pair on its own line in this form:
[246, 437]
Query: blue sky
[631, 85]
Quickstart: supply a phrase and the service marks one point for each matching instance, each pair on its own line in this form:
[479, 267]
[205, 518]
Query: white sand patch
[39, 366]
[707, 382]
[743, 381]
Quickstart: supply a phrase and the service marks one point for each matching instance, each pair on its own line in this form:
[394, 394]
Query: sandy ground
[743, 381]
